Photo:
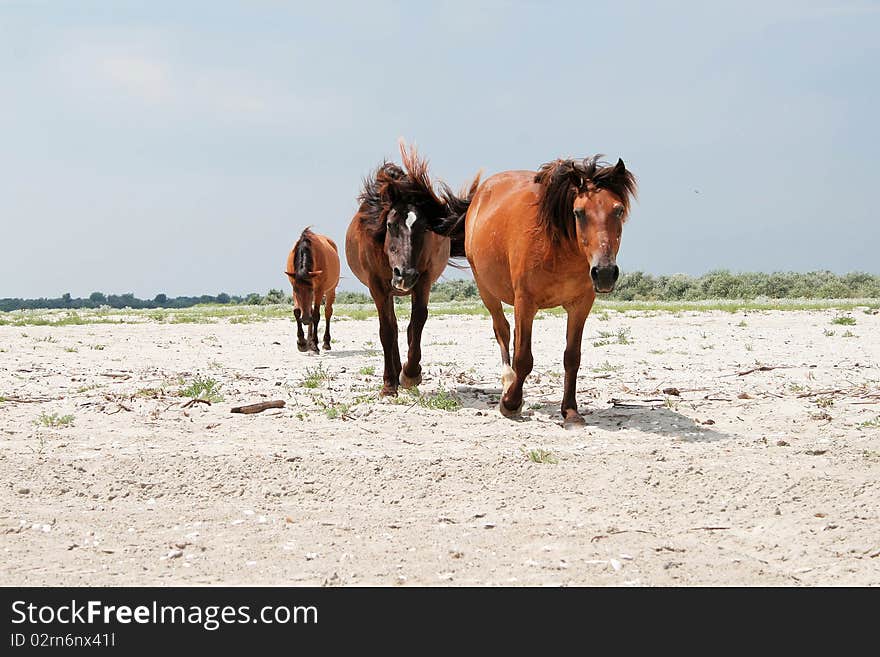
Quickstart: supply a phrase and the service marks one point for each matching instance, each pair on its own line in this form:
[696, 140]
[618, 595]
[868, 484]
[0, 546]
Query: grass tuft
[202, 387]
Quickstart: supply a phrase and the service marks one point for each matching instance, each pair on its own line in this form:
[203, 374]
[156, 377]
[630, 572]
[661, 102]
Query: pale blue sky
[180, 147]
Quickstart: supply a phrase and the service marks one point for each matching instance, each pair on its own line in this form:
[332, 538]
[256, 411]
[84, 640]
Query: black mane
[302, 258]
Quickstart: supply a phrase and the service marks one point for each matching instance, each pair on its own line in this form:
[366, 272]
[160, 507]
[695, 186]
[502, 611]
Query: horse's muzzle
[604, 278]
[404, 279]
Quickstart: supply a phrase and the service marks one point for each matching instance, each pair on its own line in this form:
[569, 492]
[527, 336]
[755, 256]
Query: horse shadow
[658, 420]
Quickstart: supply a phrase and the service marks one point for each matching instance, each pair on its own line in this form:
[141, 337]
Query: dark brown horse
[541, 240]
[313, 272]
[391, 249]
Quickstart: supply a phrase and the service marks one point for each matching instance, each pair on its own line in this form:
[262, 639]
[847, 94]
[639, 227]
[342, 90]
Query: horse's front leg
[577, 315]
[300, 336]
[524, 315]
[313, 329]
[388, 337]
[328, 313]
[411, 374]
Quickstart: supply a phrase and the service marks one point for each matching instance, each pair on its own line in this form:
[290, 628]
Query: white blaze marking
[410, 219]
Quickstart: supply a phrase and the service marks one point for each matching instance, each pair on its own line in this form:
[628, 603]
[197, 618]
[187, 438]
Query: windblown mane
[416, 187]
[373, 205]
[562, 180]
[390, 184]
[452, 223]
[302, 258]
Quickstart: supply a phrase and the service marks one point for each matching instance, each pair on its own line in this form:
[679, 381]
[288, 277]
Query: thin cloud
[144, 78]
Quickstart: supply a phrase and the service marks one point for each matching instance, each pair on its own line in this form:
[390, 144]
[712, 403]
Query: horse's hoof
[408, 382]
[573, 420]
[506, 412]
[508, 376]
[326, 346]
[388, 391]
[302, 346]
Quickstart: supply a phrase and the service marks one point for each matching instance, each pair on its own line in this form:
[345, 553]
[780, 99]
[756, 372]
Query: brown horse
[391, 249]
[540, 241]
[313, 272]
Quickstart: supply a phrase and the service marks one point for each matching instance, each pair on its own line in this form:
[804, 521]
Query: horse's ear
[619, 168]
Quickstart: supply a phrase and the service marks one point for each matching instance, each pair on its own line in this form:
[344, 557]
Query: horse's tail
[451, 225]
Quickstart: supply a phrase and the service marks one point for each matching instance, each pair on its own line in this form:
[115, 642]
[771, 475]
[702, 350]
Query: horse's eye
[580, 214]
[618, 211]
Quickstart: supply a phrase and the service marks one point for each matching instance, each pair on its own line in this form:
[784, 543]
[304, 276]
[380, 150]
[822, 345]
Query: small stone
[782, 443]
[174, 554]
[24, 490]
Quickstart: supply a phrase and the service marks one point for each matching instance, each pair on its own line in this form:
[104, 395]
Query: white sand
[140, 491]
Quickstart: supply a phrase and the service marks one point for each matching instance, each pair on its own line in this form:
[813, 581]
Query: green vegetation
[367, 370]
[441, 400]
[844, 320]
[607, 367]
[871, 424]
[541, 456]
[55, 420]
[202, 387]
[315, 376]
[636, 291]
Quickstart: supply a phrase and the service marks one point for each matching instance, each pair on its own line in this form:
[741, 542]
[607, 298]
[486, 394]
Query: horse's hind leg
[328, 313]
[411, 374]
[502, 335]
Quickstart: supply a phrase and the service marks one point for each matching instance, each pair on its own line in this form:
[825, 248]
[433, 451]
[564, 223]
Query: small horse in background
[313, 272]
[541, 240]
[391, 249]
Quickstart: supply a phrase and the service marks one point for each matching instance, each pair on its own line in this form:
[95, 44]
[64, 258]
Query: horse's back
[499, 224]
[328, 260]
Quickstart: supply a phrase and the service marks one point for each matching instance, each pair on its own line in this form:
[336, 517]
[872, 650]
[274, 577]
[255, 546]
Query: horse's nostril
[594, 273]
[397, 272]
[616, 272]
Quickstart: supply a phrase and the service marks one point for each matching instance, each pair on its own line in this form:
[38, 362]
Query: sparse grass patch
[749, 346]
[742, 324]
[844, 320]
[71, 350]
[540, 456]
[335, 411]
[54, 420]
[442, 400]
[871, 424]
[97, 347]
[828, 333]
[367, 370]
[607, 367]
[849, 334]
[82, 389]
[824, 402]
[315, 376]
[202, 387]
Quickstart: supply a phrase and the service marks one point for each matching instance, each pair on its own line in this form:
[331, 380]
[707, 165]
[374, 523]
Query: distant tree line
[632, 286]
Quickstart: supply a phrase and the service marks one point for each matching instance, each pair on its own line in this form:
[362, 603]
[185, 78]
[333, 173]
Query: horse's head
[302, 277]
[404, 240]
[304, 295]
[412, 206]
[588, 203]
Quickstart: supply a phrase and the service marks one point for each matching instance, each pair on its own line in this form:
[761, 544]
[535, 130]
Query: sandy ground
[739, 480]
